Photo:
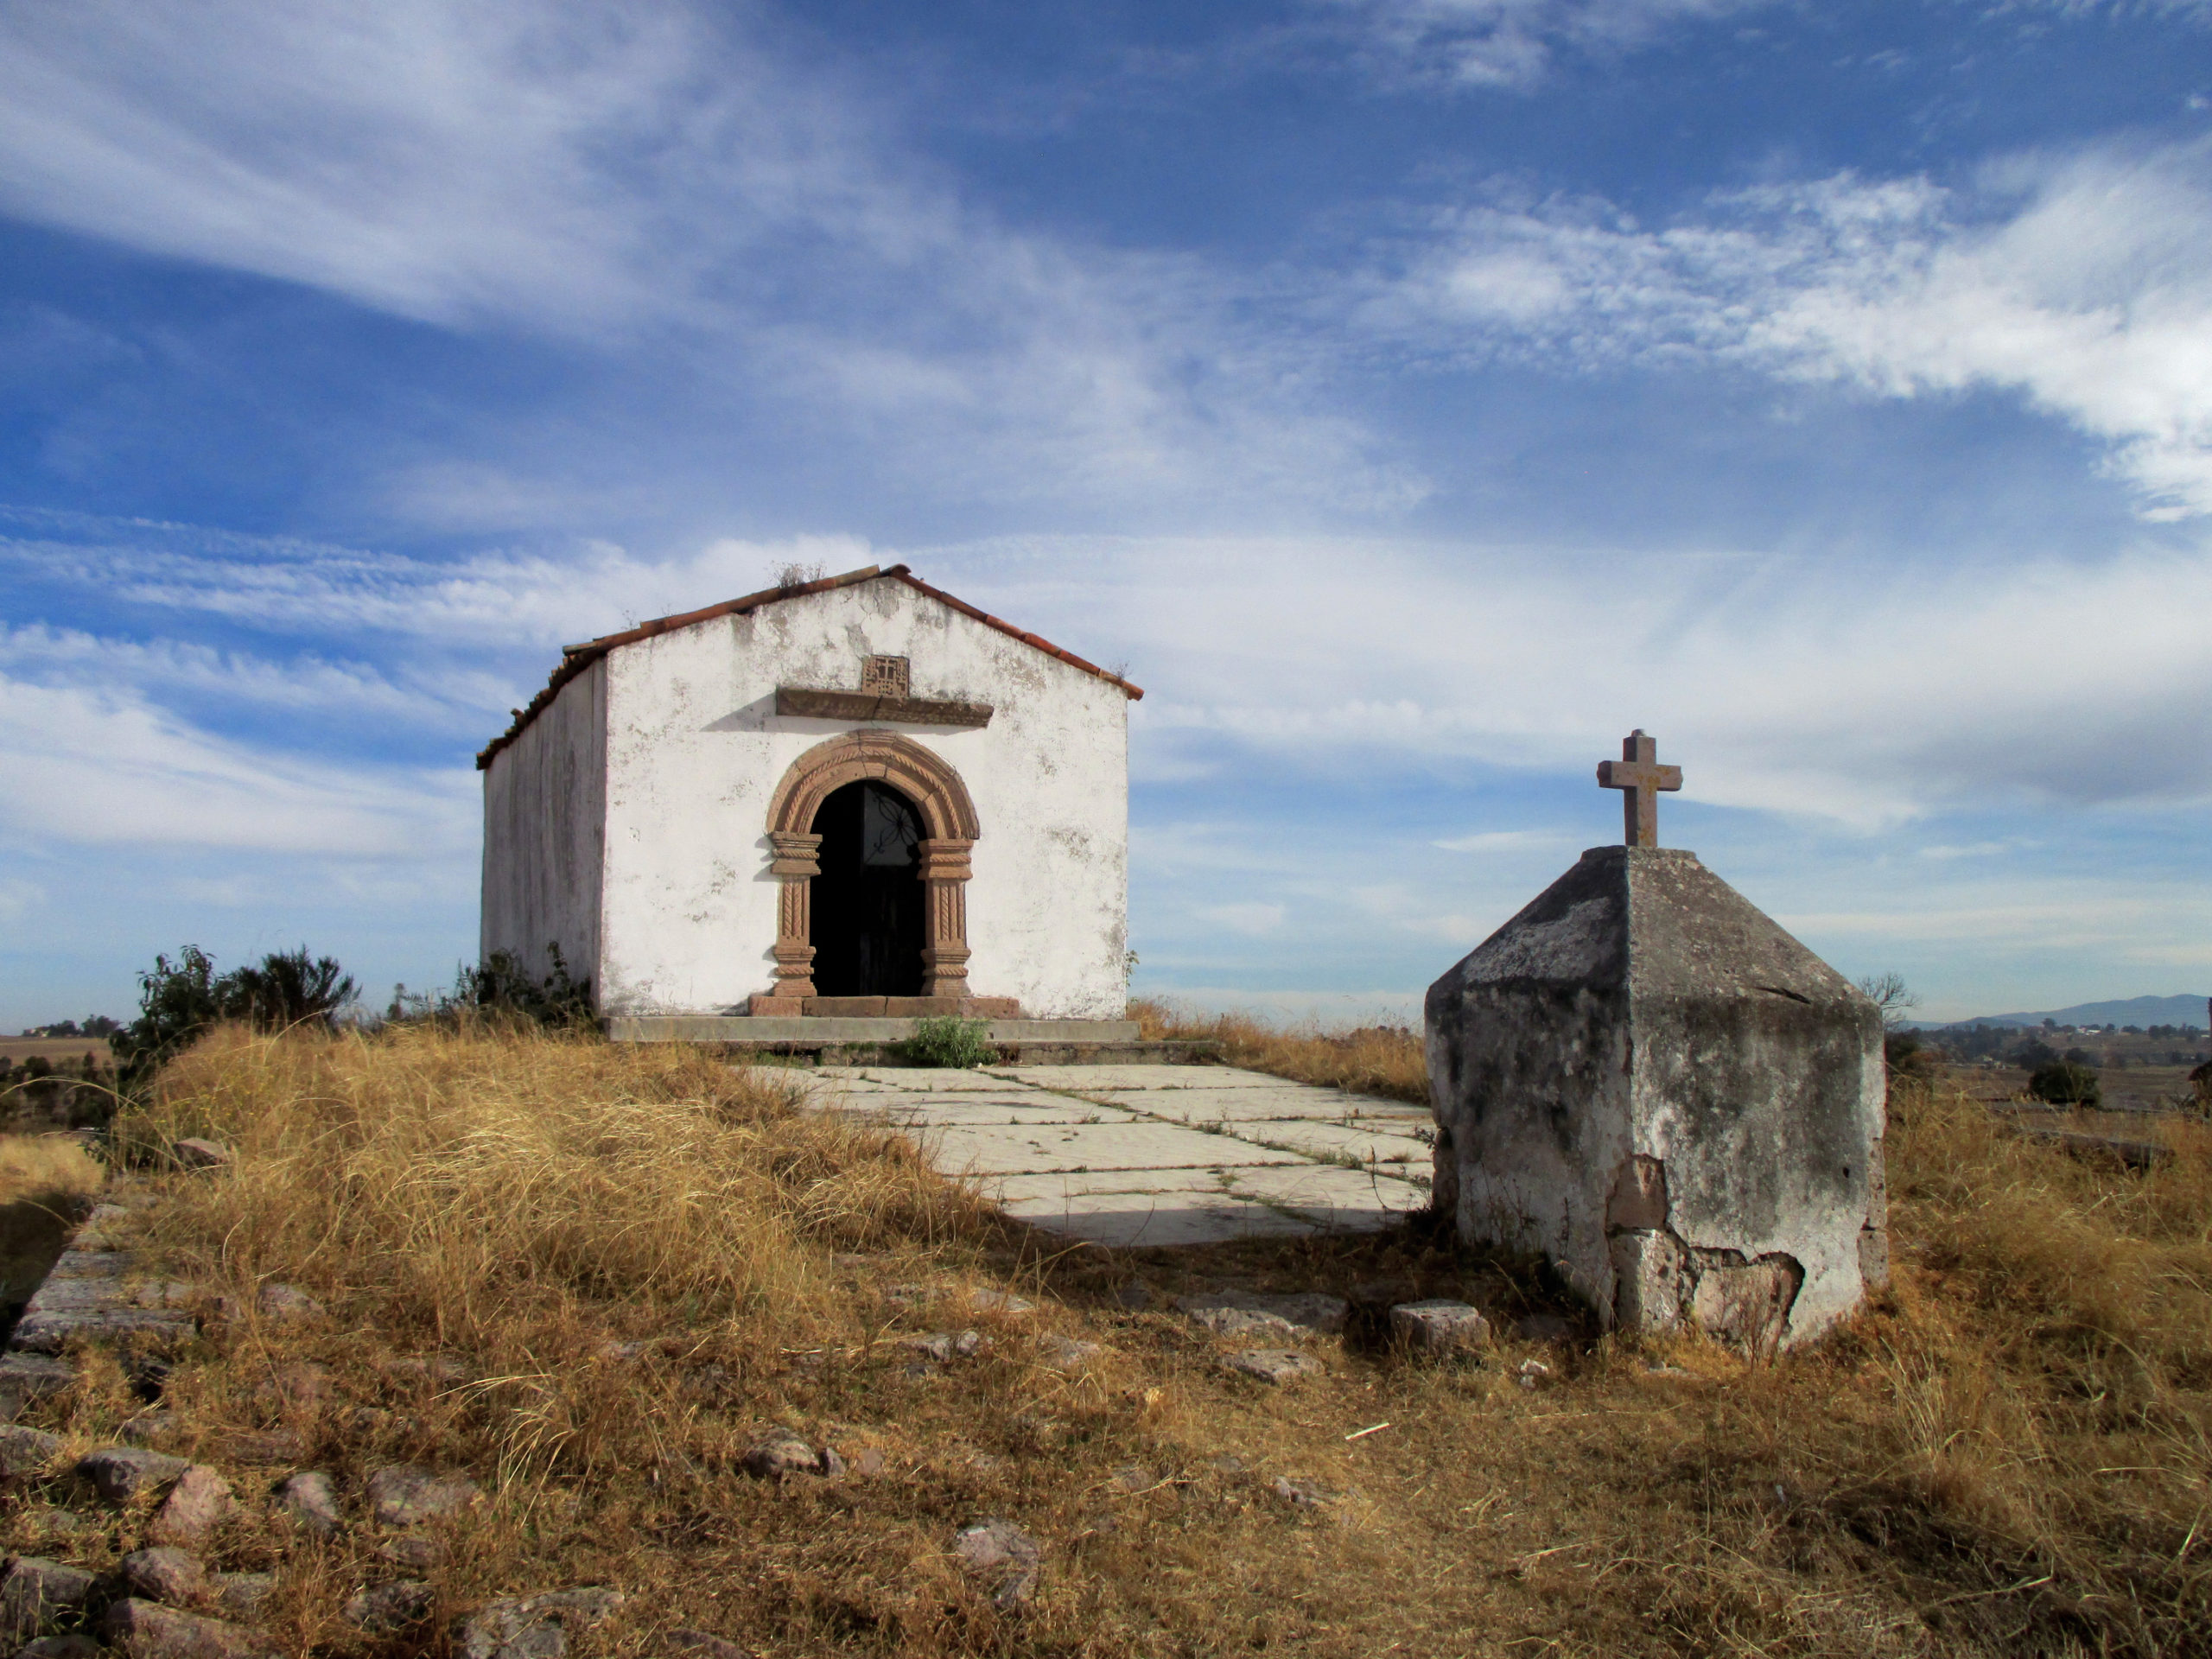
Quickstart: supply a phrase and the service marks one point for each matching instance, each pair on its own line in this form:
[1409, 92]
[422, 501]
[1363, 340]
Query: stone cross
[1639, 774]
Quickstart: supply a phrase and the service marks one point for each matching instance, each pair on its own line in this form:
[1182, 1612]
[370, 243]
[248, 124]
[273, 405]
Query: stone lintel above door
[817, 704]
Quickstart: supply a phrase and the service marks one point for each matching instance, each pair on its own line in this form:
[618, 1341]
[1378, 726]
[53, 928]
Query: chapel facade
[853, 797]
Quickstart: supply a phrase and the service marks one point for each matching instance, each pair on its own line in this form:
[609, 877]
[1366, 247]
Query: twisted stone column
[944, 872]
[797, 863]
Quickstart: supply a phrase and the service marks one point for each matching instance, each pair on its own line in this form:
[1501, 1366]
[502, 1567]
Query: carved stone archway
[950, 832]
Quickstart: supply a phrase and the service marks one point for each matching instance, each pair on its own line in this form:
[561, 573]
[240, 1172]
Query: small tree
[2066, 1083]
[178, 1000]
[1888, 993]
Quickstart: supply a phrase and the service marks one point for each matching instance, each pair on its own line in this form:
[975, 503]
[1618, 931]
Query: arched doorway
[869, 922]
[932, 790]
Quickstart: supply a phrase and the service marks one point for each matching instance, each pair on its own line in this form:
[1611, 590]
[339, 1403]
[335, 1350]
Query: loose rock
[1535, 1373]
[72, 1646]
[532, 1627]
[405, 1495]
[1000, 1552]
[1241, 1313]
[196, 1152]
[999, 1302]
[148, 1428]
[389, 1609]
[785, 1453]
[26, 1451]
[120, 1472]
[28, 1377]
[198, 1503]
[1273, 1364]
[146, 1629]
[1439, 1328]
[171, 1575]
[1067, 1353]
[241, 1594]
[1307, 1494]
[35, 1592]
[287, 1302]
[311, 1500]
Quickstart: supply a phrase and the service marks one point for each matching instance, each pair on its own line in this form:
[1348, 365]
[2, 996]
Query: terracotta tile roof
[576, 658]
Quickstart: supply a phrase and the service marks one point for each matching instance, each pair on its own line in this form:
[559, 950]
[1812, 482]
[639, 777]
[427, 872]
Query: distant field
[16, 1050]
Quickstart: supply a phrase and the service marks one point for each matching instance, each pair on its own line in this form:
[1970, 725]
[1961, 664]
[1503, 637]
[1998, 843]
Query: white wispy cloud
[1505, 841]
[656, 184]
[1255, 921]
[2080, 281]
[1512, 43]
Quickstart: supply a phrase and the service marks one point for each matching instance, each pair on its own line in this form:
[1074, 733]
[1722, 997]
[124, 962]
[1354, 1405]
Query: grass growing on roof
[2007, 1455]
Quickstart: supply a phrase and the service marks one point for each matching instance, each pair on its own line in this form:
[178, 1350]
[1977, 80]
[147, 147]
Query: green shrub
[949, 1042]
[2066, 1083]
[177, 1002]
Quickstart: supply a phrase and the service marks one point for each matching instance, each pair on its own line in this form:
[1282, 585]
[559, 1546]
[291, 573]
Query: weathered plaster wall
[544, 801]
[1645, 1079]
[696, 751]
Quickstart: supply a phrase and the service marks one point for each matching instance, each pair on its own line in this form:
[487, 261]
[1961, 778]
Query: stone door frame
[950, 832]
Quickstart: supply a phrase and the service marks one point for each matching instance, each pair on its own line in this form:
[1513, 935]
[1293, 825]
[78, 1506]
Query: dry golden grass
[1383, 1060]
[2006, 1456]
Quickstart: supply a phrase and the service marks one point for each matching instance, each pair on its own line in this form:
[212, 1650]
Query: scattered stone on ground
[1439, 1327]
[174, 1576]
[26, 1451]
[25, 1378]
[987, 1301]
[413, 1554]
[1273, 1364]
[1136, 1295]
[72, 1646]
[1004, 1556]
[242, 1594]
[784, 1453]
[1067, 1353]
[391, 1609]
[44, 1520]
[1535, 1373]
[867, 1460]
[198, 1503]
[1307, 1494]
[146, 1629]
[310, 1499]
[263, 1445]
[196, 1152]
[120, 1472]
[407, 1495]
[1134, 1478]
[1242, 1313]
[287, 1302]
[532, 1627]
[148, 1428]
[34, 1592]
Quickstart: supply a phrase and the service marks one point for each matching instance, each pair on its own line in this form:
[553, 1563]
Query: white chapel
[853, 797]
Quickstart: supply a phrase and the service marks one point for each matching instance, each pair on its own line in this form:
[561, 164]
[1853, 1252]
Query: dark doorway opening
[868, 912]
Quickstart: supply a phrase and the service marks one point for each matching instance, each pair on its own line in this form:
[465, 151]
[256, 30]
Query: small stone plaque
[886, 677]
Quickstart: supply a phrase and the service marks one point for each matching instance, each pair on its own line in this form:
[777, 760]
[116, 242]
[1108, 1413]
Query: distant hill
[2133, 1010]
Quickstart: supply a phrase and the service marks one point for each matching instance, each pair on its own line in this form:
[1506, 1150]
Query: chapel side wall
[544, 802]
[695, 752]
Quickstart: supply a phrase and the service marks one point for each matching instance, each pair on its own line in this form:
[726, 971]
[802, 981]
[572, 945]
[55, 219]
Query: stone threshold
[766, 1007]
[825, 1028]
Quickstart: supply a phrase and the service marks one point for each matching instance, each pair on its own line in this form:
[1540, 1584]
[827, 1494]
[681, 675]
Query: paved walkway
[1155, 1154]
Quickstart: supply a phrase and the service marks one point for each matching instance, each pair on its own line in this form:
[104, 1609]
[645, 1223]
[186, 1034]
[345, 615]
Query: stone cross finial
[1639, 774]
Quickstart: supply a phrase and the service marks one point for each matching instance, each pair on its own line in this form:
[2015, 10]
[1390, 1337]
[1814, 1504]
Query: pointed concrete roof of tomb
[576, 658]
[1654, 922]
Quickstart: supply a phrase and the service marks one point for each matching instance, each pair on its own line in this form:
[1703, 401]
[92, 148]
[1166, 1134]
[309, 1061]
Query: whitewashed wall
[696, 751]
[544, 817]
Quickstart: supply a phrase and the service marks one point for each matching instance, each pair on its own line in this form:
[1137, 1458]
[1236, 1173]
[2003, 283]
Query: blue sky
[1414, 395]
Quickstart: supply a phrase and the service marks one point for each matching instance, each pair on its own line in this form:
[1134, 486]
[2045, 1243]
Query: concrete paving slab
[1288, 1101]
[1333, 1142]
[924, 1111]
[1076, 1183]
[1334, 1199]
[1035, 1148]
[912, 1079]
[1088, 1078]
[1122, 1221]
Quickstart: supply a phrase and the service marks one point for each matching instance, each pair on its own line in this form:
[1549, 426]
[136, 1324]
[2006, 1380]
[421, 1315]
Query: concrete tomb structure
[1647, 1081]
[852, 799]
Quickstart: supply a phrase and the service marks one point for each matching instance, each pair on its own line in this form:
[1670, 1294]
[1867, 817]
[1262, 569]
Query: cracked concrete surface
[1123, 1155]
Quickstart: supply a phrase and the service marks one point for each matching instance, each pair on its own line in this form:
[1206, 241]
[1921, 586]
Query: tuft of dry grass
[1381, 1060]
[2005, 1455]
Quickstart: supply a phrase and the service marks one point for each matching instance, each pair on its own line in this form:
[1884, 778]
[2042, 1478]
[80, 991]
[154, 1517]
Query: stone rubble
[391, 1609]
[34, 1592]
[784, 1453]
[198, 1503]
[310, 1499]
[118, 1473]
[1439, 1328]
[406, 1495]
[1275, 1365]
[196, 1152]
[173, 1576]
[1241, 1313]
[1004, 1556]
[532, 1627]
[26, 1451]
[146, 1629]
